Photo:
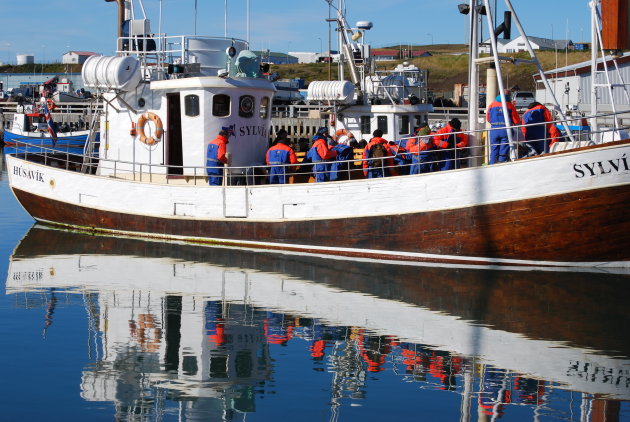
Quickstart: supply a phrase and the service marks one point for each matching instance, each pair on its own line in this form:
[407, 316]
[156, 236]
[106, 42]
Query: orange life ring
[340, 132]
[159, 129]
[51, 104]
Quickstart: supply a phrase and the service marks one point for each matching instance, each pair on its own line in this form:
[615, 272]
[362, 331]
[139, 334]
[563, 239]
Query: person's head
[281, 134]
[423, 131]
[455, 123]
[226, 132]
[507, 97]
[323, 132]
[353, 143]
[377, 133]
[343, 139]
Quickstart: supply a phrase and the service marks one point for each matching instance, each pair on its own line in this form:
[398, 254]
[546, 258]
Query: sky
[47, 29]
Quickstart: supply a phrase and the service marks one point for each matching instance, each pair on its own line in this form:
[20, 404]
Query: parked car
[523, 99]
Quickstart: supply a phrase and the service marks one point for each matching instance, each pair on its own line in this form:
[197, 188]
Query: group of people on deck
[428, 151]
[539, 133]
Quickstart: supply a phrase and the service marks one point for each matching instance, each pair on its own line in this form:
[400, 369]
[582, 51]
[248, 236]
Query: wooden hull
[576, 223]
[543, 229]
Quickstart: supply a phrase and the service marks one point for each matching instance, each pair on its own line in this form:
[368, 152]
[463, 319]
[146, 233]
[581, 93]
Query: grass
[447, 66]
[41, 68]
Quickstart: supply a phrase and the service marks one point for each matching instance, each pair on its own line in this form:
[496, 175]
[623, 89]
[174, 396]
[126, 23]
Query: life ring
[159, 129]
[340, 132]
[51, 104]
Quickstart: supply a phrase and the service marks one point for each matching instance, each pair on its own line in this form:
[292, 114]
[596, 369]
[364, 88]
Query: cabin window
[264, 108]
[246, 106]
[365, 124]
[418, 121]
[381, 123]
[221, 105]
[403, 123]
[191, 105]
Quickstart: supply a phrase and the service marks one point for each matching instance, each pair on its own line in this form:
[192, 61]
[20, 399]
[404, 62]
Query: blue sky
[47, 28]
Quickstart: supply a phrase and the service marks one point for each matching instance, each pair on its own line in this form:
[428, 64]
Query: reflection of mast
[50, 310]
[349, 374]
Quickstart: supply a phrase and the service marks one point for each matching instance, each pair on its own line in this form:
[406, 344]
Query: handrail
[259, 174]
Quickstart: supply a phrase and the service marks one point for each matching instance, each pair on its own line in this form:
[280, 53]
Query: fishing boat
[32, 127]
[165, 104]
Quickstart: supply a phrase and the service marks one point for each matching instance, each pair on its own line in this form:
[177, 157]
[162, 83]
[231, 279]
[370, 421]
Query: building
[381, 54]
[518, 44]
[572, 85]
[307, 57]
[77, 57]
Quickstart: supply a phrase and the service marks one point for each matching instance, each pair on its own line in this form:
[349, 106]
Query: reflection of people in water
[215, 324]
[373, 350]
[50, 310]
[277, 329]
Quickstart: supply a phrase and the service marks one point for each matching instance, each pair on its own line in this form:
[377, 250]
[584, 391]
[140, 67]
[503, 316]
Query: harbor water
[106, 328]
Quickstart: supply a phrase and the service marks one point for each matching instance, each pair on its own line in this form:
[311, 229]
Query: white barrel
[337, 91]
[111, 72]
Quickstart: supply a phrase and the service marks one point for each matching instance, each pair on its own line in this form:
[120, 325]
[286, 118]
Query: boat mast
[473, 76]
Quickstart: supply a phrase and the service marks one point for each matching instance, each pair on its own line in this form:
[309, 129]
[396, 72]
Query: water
[103, 328]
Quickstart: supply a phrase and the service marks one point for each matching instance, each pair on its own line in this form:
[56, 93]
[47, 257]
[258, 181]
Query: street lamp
[320, 46]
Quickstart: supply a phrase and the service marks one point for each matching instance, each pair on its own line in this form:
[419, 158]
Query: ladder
[601, 78]
[90, 144]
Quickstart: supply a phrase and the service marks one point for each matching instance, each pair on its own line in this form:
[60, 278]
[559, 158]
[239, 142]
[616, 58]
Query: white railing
[303, 172]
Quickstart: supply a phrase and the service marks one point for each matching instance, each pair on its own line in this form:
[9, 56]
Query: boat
[567, 208]
[29, 130]
[153, 300]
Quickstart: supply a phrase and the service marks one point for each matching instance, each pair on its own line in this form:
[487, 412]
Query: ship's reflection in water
[199, 333]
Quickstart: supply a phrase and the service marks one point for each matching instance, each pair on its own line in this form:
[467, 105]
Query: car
[523, 99]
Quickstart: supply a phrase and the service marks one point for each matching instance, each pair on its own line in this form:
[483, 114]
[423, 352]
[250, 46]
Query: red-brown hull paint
[587, 226]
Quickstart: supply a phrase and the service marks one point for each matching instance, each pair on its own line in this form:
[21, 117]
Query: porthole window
[221, 105]
[141, 102]
[264, 108]
[246, 106]
[191, 105]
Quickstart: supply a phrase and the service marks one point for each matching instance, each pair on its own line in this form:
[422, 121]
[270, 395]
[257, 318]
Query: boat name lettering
[601, 167]
[253, 130]
[28, 174]
[28, 275]
[600, 374]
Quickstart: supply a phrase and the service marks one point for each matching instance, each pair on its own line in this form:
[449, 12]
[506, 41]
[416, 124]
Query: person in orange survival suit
[278, 155]
[537, 135]
[421, 150]
[216, 156]
[319, 153]
[377, 148]
[499, 141]
[448, 141]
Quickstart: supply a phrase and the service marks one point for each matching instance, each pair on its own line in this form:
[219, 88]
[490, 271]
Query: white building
[306, 57]
[572, 85]
[77, 57]
[518, 44]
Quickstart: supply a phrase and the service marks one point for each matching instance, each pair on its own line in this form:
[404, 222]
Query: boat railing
[357, 167]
